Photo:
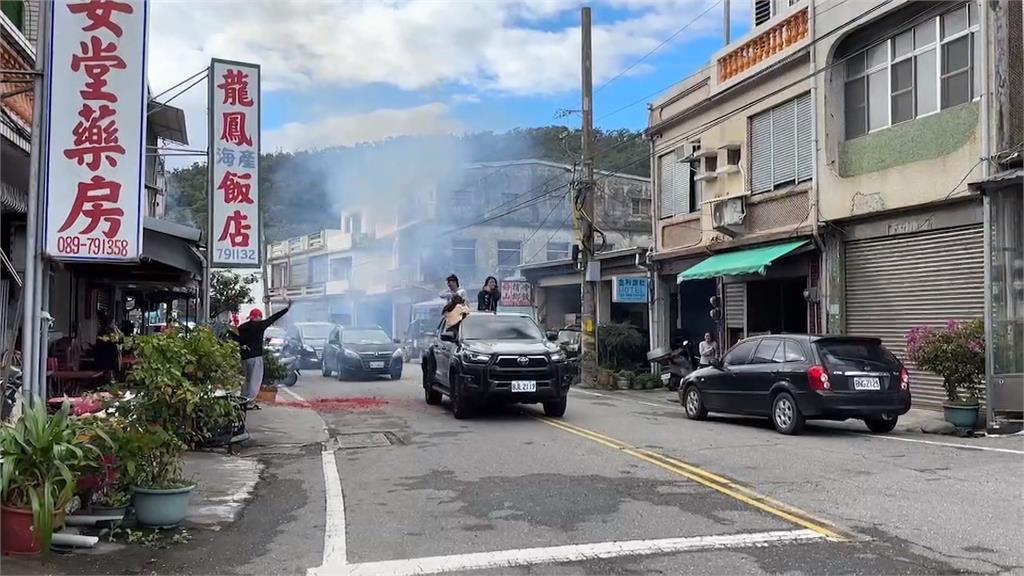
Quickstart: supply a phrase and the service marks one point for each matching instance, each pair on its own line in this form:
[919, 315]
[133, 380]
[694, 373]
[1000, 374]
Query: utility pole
[727, 21]
[584, 210]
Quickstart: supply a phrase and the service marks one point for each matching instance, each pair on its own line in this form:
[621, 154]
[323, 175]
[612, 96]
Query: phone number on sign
[78, 246]
[236, 255]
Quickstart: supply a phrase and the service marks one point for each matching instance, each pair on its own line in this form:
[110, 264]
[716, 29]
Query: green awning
[752, 261]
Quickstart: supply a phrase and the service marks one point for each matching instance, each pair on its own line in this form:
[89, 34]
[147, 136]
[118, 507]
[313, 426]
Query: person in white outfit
[708, 350]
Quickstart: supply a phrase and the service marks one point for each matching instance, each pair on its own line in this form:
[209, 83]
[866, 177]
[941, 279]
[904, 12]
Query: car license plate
[376, 364]
[666, 377]
[524, 386]
[864, 383]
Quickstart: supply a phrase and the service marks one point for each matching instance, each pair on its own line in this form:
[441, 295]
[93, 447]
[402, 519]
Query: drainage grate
[361, 440]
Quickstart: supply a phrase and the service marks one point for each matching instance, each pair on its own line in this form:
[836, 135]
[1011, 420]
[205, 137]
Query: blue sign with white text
[629, 290]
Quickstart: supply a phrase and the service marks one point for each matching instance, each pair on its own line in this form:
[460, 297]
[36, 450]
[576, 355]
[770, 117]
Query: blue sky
[341, 73]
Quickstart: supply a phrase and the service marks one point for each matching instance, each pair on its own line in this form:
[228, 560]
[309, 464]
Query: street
[723, 496]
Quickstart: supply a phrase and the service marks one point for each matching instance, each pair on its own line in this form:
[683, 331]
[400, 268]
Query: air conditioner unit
[727, 215]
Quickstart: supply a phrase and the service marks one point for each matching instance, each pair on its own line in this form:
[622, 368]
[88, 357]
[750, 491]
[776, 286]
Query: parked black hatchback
[792, 378]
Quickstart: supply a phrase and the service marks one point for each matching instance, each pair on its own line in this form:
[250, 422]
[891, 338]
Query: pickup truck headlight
[475, 357]
[557, 356]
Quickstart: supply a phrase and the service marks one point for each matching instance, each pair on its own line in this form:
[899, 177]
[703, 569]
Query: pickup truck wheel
[340, 372]
[325, 371]
[555, 408]
[461, 408]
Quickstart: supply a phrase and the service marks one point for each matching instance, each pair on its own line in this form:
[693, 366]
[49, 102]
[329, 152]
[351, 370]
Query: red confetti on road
[336, 404]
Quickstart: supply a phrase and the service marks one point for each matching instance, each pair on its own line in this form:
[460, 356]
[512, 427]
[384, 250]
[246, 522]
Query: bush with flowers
[955, 352]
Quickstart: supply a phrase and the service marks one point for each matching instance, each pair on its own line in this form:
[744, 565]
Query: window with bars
[678, 191]
[463, 252]
[781, 146]
[640, 207]
[920, 71]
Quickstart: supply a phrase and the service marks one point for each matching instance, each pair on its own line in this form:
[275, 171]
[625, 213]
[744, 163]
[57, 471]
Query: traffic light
[716, 308]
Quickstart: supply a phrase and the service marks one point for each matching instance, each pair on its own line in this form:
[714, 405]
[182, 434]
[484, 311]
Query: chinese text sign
[630, 290]
[234, 164]
[516, 293]
[96, 111]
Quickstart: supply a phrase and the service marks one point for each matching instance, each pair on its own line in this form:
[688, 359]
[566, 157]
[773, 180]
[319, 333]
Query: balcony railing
[774, 40]
[296, 292]
[316, 241]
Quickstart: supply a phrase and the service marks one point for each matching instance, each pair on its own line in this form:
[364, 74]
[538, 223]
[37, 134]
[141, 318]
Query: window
[774, 137]
[463, 252]
[739, 353]
[679, 191]
[318, 269]
[341, 268]
[765, 10]
[278, 275]
[794, 352]
[766, 351]
[559, 250]
[510, 253]
[710, 164]
[640, 206]
[733, 157]
[919, 71]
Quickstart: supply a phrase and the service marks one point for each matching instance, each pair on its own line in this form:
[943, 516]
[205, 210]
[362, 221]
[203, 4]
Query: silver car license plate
[374, 365]
[866, 383]
[524, 386]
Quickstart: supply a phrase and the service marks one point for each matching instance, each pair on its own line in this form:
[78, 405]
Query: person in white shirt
[453, 289]
[708, 350]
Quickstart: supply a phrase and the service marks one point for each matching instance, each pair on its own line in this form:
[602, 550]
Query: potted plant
[43, 456]
[152, 462]
[624, 379]
[955, 352]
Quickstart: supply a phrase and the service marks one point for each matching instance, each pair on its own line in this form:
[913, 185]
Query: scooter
[675, 364]
[291, 366]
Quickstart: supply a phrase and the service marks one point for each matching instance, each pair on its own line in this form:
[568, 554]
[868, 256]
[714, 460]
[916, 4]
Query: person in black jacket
[488, 297]
[250, 338]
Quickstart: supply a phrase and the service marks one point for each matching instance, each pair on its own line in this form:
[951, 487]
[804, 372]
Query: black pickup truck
[495, 358]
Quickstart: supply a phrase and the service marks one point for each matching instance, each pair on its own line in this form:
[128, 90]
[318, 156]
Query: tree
[229, 291]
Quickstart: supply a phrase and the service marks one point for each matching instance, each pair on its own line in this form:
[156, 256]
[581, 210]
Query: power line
[201, 72]
[656, 48]
[164, 104]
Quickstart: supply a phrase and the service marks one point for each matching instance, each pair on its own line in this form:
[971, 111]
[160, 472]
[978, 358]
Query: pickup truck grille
[513, 362]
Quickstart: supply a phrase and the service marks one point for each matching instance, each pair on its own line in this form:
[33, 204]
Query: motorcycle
[291, 366]
[675, 364]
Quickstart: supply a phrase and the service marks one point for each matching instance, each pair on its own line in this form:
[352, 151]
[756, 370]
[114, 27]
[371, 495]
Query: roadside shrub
[621, 347]
[955, 352]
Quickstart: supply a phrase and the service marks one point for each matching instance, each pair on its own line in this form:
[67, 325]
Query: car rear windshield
[315, 331]
[856, 354]
[491, 327]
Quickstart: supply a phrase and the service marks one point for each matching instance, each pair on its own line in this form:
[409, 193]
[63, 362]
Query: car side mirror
[552, 335]
[447, 337]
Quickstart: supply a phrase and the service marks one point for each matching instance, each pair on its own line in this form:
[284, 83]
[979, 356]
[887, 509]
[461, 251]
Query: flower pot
[266, 395]
[108, 510]
[604, 379]
[161, 508]
[961, 416]
[17, 535]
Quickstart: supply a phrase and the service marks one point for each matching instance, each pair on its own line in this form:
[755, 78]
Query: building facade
[494, 218]
[849, 132]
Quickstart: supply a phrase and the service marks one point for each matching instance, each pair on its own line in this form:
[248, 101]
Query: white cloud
[427, 120]
[484, 47]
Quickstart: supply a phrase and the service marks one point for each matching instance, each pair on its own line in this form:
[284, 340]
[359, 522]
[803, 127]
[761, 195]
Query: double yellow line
[709, 480]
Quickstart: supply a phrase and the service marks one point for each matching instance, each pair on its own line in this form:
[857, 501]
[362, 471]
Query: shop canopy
[752, 261]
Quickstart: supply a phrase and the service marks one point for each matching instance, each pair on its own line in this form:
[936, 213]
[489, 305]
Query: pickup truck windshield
[491, 327]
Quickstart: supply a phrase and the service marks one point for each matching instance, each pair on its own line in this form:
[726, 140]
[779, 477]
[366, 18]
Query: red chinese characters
[95, 142]
[235, 164]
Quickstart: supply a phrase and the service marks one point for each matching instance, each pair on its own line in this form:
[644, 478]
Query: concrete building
[842, 135]
[733, 164]
[494, 218]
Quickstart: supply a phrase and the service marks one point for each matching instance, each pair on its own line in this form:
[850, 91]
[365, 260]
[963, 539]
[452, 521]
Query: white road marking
[569, 553]
[948, 444]
[298, 398]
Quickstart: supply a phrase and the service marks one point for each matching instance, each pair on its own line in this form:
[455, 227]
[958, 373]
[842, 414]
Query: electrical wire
[201, 72]
[656, 48]
[165, 103]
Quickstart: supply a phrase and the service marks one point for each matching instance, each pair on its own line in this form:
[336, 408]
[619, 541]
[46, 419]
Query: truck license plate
[863, 383]
[524, 386]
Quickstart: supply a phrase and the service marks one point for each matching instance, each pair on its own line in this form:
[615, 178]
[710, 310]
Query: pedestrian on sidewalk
[250, 337]
[708, 351]
[489, 296]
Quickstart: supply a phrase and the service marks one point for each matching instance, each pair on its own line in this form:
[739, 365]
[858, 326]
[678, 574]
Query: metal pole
[725, 26]
[588, 367]
[31, 382]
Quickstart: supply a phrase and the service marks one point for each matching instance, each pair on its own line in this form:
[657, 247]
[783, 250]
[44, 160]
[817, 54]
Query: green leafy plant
[621, 347]
[647, 381]
[955, 352]
[273, 371]
[229, 291]
[43, 457]
[151, 457]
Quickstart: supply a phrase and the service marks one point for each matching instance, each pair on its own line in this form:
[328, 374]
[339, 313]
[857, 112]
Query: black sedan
[361, 351]
[792, 378]
[495, 358]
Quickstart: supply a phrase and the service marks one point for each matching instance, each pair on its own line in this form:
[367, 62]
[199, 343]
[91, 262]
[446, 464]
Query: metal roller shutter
[665, 185]
[896, 283]
[735, 305]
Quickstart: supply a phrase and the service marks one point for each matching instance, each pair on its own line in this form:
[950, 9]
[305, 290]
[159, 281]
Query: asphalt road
[512, 492]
